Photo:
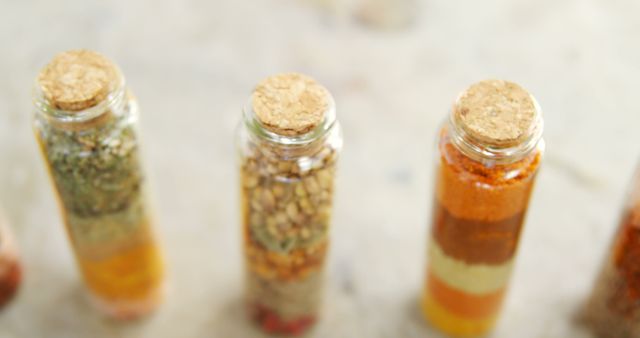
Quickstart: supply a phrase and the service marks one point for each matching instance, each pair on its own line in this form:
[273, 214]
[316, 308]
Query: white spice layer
[290, 104]
[78, 79]
[496, 112]
[476, 279]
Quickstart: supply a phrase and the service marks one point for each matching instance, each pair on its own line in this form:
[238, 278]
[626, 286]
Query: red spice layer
[271, 323]
[476, 241]
[464, 304]
[9, 282]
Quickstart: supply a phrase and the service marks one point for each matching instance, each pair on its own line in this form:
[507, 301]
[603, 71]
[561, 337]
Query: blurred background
[394, 67]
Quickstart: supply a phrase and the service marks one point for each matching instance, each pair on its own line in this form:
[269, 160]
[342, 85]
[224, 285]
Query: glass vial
[489, 153]
[289, 142]
[613, 309]
[10, 267]
[85, 122]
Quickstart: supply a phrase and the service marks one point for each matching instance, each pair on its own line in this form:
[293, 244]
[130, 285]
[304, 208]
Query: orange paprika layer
[464, 304]
[469, 189]
[452, 324]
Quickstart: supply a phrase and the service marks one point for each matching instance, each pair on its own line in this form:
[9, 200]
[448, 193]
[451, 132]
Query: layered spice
[287, 193]
[613, 309]
[95, 165]
[479, 209]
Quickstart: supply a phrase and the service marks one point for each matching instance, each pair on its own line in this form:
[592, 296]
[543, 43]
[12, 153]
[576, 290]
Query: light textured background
[192, 65]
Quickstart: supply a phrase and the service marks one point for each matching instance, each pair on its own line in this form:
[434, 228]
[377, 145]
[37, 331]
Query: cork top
[78, 79]
[496, 112]
[290, 104]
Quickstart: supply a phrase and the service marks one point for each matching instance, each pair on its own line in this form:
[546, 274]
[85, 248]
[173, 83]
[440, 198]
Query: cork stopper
[290, 104]
[496, 112]
[78, 79]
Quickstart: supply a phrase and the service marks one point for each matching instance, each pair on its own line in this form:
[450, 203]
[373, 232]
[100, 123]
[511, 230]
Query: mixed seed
[98, 178]
[287, 204]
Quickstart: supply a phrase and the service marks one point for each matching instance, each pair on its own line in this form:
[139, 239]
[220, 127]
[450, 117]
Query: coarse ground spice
[289, 144]
[85, 124]
[613, 310]
[490, 152]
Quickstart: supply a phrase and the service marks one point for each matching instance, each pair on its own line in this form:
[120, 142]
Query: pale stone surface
[192, 65]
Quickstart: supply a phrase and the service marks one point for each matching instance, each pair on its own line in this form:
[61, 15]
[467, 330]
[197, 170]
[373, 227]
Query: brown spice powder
[477, 242]
[290, 104]
[78, 79]
[496, 112]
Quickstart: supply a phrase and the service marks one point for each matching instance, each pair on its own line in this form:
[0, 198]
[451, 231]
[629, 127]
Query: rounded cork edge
[79, 79]
[496, 112]
[290, 104]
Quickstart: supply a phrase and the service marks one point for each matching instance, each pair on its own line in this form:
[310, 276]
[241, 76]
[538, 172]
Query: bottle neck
[289, 146]
[107, 110]
[491, 154]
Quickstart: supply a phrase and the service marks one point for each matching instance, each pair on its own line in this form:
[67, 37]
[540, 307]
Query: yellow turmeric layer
[128, 273]
[454, 325]
[133, 275]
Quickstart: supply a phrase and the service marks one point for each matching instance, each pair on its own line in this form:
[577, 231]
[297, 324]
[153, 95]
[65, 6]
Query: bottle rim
[482, 151]
[258, 129]
[115, 98]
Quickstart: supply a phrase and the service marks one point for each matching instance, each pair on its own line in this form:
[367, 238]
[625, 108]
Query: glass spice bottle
[85, 122]
[289, 142]
[613, 309]
[10, 267]
[489, 153]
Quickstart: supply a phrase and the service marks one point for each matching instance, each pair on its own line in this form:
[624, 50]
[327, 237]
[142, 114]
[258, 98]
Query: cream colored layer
[471, 278]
